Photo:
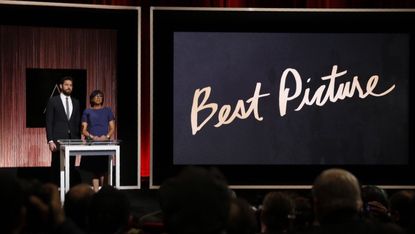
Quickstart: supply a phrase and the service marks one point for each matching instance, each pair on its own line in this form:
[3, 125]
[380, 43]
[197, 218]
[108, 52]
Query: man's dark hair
[62, 80]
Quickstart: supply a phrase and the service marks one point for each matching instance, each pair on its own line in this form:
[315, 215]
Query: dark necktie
[67, 107]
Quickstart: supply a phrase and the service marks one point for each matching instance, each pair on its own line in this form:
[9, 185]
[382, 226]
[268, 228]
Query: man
[338, 203]
[77, 201]
[62, 122]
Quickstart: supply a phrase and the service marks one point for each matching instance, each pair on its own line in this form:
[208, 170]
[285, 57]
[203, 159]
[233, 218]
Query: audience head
[374, 193]
[109, 211]
[277, 212]
[12, 207]
[34, 222]
[336, 190]
[400, 207]
[304, 216]
[76, 204]
[242, 218]
[375, 203]
[195, 201]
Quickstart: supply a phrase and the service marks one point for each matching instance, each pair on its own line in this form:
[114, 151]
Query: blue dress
[98, 124]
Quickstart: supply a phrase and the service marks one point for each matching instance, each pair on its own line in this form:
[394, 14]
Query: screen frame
[166, 20]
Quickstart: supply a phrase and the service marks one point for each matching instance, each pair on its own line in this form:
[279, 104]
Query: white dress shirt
[63, 98]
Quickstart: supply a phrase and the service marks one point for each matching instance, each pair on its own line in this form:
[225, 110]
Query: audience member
[12, 208]
[338, 202]
[109, 211]
[277, 213]
[242, 218]
[375, 203]
[400, 207]
[44, 210]
[195, 202]
[304, 216]
[34, 222]
[76, 205]
[53, 212]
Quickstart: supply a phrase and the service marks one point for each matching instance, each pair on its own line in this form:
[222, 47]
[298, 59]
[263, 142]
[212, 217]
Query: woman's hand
[101, 138]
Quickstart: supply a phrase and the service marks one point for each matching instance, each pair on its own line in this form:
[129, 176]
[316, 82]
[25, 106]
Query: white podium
[71, 148]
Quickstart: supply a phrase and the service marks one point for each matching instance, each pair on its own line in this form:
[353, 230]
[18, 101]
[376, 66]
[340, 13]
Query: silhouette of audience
[25, 203]
[198, 201]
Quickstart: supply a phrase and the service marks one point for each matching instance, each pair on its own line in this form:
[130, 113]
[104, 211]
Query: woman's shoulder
[87, 110]
[107, 108]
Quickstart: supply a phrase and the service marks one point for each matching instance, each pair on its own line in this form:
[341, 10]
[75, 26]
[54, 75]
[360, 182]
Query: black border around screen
[167, 21]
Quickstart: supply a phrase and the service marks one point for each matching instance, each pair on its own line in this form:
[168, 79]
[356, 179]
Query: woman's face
[97, 100]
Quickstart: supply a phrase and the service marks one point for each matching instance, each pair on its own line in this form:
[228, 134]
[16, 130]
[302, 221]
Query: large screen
[272, 104]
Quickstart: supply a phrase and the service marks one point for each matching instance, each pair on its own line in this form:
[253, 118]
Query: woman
[98, 124]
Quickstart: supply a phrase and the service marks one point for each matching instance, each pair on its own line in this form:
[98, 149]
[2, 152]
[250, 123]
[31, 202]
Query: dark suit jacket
[57, 124]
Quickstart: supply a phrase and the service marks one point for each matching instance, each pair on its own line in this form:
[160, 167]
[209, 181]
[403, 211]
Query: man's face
[66, 87]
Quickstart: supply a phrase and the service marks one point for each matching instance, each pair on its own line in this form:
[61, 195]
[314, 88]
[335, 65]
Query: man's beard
[67, 92]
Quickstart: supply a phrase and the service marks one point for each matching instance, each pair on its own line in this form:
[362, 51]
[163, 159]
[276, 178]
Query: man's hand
[52, 146]
[377, 208]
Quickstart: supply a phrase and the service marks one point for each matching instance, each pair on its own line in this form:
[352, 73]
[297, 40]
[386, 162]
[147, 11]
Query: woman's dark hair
[95, 93]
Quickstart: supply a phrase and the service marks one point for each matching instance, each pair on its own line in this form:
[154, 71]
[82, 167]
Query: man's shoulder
[54, 98]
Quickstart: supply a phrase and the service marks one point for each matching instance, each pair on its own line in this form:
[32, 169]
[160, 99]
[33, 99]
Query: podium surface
[73, 147]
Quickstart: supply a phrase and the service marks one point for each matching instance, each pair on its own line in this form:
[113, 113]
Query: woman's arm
[111, 128]
[85, 131]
